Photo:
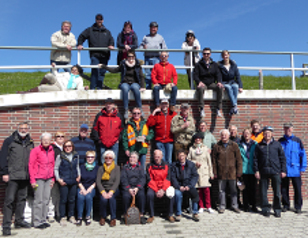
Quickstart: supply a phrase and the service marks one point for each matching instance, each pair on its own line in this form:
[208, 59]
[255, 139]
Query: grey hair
[163, 52]
[135, 153]
[68, 22]
[23, 123]
[46, 134]
[232, 126]
[224, 130]
[109, 152]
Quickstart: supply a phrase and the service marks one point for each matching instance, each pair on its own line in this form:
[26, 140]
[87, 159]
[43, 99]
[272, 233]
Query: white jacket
[60, 40]
[185, 46]
[63, 79]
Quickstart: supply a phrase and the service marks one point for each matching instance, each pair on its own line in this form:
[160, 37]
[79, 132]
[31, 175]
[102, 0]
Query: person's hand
[185, 125]
[105, 195]
[5, 178]
[53, 65]
[136, 190]
[220, 85]
[69, 47]
[156, 85]
[34, 185]
[201, 85]
[198, 164]
[52, 183]
[127, 47]
[187, 188]
[86, 87]
[61, 182]
[110, 194]
[78, 179]
[83, 191]
[145, 47]
[131, 192]
[172, 85]
[142, 89]
[79, 47]
[156, 110]
[127, 153]
[240, 90]
[212, 177]
[182, 189]
[100, 65]
[257, 175]
[209, 150]
[111, 47]
[283, 175]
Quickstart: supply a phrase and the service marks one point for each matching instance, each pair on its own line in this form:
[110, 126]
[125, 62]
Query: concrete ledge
[189, 95]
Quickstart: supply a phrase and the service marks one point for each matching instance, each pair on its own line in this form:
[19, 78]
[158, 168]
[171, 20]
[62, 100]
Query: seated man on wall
[162, 74]
[158, 180]
[184, 177]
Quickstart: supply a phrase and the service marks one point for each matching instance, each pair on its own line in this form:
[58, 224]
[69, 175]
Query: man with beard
[14, 161]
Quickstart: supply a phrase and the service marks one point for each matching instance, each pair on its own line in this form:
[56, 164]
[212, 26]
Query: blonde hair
[92, 152]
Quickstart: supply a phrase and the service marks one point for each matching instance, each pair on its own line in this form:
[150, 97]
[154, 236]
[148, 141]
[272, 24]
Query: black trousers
[297, 184]
[150, 200]
[127, 199]
[249, 193]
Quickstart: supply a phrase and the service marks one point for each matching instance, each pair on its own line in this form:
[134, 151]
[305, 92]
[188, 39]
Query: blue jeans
[172, 96]
[97, 75]
[125, 88]
[60, 63]
[179, 199]
[232, 90]
[81, 200]
[103, 203]
[114, 148]
[149, 61]
[67, 195]
[166, 148]
[142, 159]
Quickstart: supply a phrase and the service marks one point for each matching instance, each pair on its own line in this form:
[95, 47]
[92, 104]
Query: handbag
[132, 215]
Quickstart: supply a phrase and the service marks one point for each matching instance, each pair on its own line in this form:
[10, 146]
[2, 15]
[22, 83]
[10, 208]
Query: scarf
[90, 167]
[131, 65]
[128, 40]
[198, 149]
[137, 124]
[106, 175]
[71, 84]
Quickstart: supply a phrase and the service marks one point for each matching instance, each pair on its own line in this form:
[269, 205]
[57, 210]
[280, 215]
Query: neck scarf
[137, 124]
[90, 167]
[71, 84]
[198, 149]
[106, 175]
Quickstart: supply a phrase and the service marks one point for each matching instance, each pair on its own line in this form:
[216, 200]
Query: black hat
[109, 100]
[197, 135]
[153, 23]
[99, 17]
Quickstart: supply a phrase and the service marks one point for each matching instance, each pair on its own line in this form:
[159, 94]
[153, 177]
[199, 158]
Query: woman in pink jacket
[41, 171]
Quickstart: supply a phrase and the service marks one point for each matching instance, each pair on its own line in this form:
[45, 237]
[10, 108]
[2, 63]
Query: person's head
[90, 156]
[131, 56]
[288, 128]
[23, 129]
[255, 126]
[164, 104]
[136, 113]
[66, 27]
[224, 135]
[203, 126]
[190, 36]
[108, 157]
[198, 138]
[83, 131]
[153, 28]
[46, 139]
[68, 147]
[233, 130]
[206, 52]
[181, 155]
[128, 26]
[247, 134]
[99, 19]
[225, 55]
[109, 105]
[184, 109]
[59, 137]
[268, 133]
[164, 55]
[158, 156]
[75, 70]
[133, 158]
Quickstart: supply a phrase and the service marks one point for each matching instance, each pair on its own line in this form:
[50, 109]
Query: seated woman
[61, 81]
[131, 79]
[132, 184]
[230, 79]
[86, 190]
[107, 182]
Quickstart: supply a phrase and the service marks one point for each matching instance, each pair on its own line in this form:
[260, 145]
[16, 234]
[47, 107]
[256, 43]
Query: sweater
[87, 177]
[61, 41]
[112, 183]
[153, 42]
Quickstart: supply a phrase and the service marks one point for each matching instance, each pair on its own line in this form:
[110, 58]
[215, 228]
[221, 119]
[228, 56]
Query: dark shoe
[221, 210]
[284, 209]
[277, 214]
[236, 210]
[255, 209]
[150, 219]
[88, 221]
[231, 112]
[266, 214]
[113, 223]
[102, 221]
[143, 220]
[298, 211]
[246, 209]
[6, 231]
[195, 217]
[78, 222]
[46, 224]
[42, 226]
[22, 224]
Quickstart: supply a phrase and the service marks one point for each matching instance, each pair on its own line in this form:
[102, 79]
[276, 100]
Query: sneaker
[277, 214]
[201, 210]
[72, 220]
[42, 226]
[178, 218]
[126, 114]
[210, 210]
[143, 220]
[78, 222]
[235, 110]
[195, 217]
[231, 112]
[46, 224]
[171, 219]
[50, 219]
[6, 231]
[266, 213]
[202, 113]
[63, 221]
[218, 113]
[22, 224]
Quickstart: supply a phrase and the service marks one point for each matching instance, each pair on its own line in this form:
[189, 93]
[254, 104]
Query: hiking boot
[22, 224]
[6, 231]
[195, 217]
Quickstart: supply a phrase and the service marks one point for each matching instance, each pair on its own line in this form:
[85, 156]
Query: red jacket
[162, 126]
[163, 72]
[158, 176]
[107, 127]
[41, 163]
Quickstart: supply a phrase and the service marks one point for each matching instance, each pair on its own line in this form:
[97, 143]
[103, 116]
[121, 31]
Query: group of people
[207, 74]
[66, 174]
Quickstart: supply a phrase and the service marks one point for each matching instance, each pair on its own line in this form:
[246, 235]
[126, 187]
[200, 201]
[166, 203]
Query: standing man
[257, 133]
[227, 166]
[98, 36]
[83, 144]
[183, 128]
[64, 40]
[162, 74]
[208, 140]
[161, 119]
[14, 161]
[269, 163]
[152, 41]
[207, 76]
[296, 161]
[233, 134]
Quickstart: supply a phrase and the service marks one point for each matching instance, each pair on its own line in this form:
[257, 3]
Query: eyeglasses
[136, 113]
[164, 56]
[108, 158]
[60, 136]
[23, 128]
[67, 146]
[206, 53]
[90, 157]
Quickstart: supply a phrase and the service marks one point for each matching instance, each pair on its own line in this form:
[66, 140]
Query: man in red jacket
[161, 119]
[107, 128]
[162, 74]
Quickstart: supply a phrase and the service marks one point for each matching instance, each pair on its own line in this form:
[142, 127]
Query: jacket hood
[113, 114]
[163, 63]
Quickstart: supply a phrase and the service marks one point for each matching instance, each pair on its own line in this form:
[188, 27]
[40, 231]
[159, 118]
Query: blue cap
[268, 128]
[84, 126]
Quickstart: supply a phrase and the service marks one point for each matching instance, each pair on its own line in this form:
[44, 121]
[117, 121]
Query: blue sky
[263, 25]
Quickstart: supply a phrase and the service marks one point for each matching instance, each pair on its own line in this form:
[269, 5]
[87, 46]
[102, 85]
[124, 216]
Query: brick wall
[68, 116]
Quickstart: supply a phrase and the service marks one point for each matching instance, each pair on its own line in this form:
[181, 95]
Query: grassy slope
[20, 81]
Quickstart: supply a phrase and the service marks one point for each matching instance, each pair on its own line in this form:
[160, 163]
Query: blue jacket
[82, 145]
[295, 155]
[187, 177]
[228, 77]
[68, 170]
[247, 155]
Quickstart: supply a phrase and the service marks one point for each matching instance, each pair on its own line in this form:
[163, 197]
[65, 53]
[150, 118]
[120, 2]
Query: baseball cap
[268, 128]
[164, 100]
[109, 100]
[84, 126]
[153, 23]
[288, 125]
[184, 105]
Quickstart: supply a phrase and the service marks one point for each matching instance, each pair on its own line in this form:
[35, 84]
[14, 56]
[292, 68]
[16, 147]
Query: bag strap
[133, 202]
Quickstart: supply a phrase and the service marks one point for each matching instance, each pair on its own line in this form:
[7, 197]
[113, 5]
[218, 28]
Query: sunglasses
[130, 56]
[108, 158]
[60, 136]
[164, 56]
[136, 113]
[90, 157]
[67, 146]
[206, 53]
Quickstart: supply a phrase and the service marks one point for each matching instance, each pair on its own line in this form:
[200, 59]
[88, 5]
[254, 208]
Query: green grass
[22, 81]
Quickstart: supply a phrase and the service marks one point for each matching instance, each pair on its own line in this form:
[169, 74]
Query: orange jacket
[258, 137]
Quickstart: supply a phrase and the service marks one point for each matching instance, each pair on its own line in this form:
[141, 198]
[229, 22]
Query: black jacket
[14, 158]
[269, 158]
[120, 44]
[132, 177]
[207, 75]
[231, 76]
[187, 177]
[97, 37]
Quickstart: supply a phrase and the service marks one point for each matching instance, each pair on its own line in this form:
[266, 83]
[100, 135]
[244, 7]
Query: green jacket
[209, 140]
